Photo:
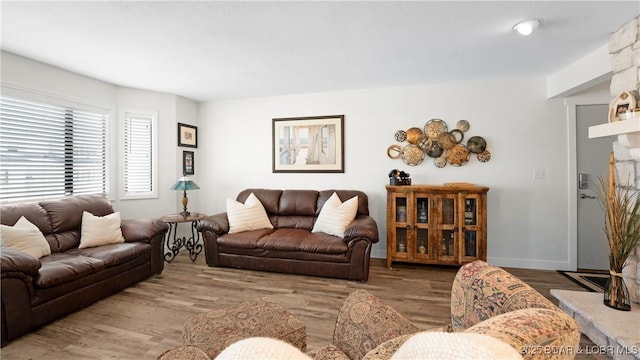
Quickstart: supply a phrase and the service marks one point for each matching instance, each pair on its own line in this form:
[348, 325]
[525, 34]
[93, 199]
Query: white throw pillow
[26, 237]
[259, 348]
[100, 230]
[336, 215]
[248, 216]
[440, 345]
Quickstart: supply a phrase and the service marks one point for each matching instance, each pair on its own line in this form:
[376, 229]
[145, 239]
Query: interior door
[592, 161]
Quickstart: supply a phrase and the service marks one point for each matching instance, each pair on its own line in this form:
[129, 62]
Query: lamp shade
[184, 183]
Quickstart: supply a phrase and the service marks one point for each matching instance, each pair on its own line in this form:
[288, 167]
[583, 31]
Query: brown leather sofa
[37, 291]
[291, 247]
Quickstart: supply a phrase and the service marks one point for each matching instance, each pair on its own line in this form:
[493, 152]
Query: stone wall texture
[624, 47]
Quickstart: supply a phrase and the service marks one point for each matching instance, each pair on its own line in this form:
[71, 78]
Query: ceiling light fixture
[527, 27]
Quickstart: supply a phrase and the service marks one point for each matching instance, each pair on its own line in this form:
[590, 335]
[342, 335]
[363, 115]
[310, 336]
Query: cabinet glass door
[470, 244]
[448, 211]
[401, 240]
[470, 211]
[471, 227]
[401, 209]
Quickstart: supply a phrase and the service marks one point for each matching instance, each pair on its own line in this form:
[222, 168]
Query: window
[48, 150]
[138, 154]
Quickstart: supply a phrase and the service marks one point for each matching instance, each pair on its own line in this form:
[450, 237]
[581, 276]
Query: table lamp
[184, 184]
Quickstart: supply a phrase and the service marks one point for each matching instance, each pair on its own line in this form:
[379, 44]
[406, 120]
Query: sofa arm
[535, 332]
[16, 262]
[362, 226]
[218, 224]
[144, 230]
[364, 322]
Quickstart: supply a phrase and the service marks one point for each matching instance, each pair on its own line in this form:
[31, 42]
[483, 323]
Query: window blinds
[49, 151]
[138, 154]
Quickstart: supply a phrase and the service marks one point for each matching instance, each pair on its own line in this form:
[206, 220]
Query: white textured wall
[624, 46]
[527, 220]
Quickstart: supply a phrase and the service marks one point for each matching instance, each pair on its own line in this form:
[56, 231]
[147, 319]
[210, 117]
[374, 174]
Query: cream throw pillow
[26, 237]
[336, 215]
[259, 348]
[248, 216]
[100, 230]
[443, 346]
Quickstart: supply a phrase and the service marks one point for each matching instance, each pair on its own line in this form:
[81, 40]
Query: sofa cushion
[65, 216]
[302, 240]
[26, 237]
[243, 240]
[100, 230]
[115, 254]
[60, 268]
[336, 215]
[248, 216]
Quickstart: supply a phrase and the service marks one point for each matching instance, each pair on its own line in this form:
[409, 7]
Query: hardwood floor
[144, 320]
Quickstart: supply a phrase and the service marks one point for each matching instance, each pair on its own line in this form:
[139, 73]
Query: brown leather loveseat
[37, 291]
[291, 247]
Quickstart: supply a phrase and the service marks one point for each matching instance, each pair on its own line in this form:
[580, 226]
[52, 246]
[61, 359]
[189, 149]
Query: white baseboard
[508, 262]
[530, 264]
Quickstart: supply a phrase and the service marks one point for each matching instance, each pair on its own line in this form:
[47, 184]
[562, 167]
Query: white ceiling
[214, 50]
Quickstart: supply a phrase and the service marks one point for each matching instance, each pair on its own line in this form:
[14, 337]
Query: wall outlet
[538, 174]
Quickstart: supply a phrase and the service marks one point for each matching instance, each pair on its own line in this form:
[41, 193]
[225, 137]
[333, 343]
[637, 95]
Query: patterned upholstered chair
[215, 330]
[485, 300]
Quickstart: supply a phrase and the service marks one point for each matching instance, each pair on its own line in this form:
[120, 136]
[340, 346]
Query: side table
[174, 243]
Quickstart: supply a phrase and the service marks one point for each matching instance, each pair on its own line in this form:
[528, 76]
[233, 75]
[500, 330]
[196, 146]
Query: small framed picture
[187, 135]
[624, 102]
[188, 163]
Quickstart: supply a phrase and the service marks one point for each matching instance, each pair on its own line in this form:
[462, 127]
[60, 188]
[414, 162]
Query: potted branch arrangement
[622, 230]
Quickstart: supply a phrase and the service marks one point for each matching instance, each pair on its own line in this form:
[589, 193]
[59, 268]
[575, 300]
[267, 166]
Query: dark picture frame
[187, 135]
[188, 163]
[313, 144]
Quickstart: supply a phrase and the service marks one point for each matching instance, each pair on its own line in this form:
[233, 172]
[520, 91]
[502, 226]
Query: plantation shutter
[138, 154]
[50, 151]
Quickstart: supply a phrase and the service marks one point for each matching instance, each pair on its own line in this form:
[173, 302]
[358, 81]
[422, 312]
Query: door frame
[571, 105]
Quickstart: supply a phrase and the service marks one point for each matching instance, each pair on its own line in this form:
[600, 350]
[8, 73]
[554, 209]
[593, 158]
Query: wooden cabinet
[434, 224]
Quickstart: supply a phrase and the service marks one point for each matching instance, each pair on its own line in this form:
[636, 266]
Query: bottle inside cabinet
[423, 210]
[470, 211]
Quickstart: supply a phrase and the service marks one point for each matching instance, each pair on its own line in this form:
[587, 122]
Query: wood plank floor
[146, 319]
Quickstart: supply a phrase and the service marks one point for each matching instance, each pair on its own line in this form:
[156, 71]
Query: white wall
[44, 81]
[528, 219]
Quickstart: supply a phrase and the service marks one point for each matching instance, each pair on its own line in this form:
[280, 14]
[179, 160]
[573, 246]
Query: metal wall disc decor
[459, 135]
[412, 155]
[434, 127]
[401, 135]
[441, 161]
[446, 140]
[394, 151]
[434, 150]
[463, 125]
[436, 141]
[484, 156]
[414, 135]
[476, 144]
[424, 143]
[458, 155]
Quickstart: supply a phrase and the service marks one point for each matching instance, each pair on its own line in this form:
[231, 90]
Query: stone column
[624, 47]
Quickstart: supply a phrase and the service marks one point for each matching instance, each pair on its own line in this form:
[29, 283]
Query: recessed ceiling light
[527, 27]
